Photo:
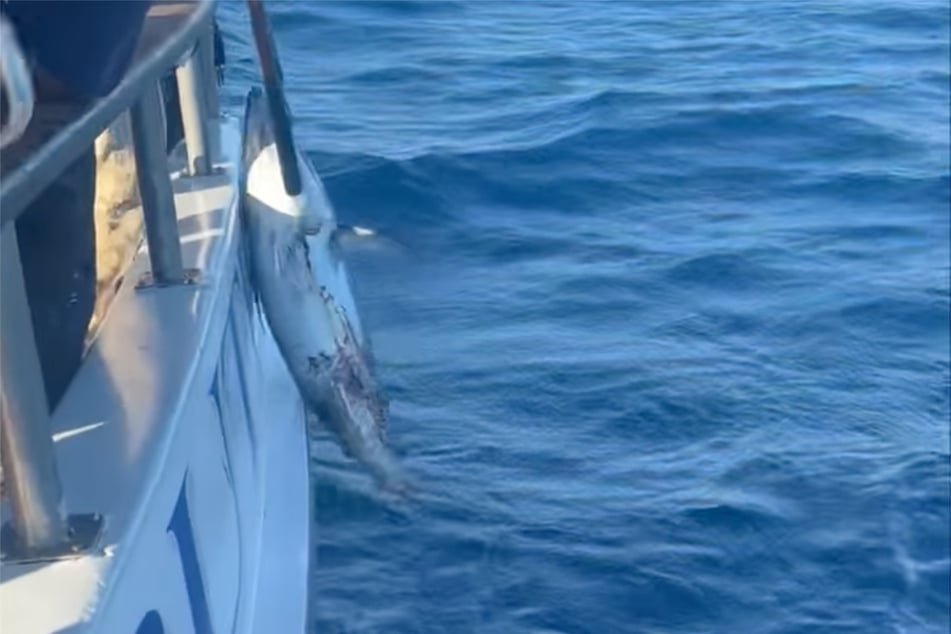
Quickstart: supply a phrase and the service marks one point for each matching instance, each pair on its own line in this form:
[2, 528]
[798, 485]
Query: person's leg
[57, 241]
[80, 51]
[174, 128]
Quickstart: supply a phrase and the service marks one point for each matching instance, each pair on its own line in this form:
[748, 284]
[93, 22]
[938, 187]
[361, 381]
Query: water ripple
[661, 300]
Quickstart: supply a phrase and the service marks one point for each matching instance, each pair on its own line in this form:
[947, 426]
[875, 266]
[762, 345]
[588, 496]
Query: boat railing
[17, 84]
[176, 35]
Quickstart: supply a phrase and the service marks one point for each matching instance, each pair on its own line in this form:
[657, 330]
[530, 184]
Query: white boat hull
[185, 431]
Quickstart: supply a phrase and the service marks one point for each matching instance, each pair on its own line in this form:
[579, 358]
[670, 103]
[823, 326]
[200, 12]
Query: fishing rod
[277, 104]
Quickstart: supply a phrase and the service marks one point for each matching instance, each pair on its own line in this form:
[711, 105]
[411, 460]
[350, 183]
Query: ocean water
[660, 299]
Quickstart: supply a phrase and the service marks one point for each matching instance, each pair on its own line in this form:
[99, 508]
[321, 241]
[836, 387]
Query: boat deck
[182, 429]
[115, 422]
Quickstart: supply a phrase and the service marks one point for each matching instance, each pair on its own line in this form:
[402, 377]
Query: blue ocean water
[660, 299]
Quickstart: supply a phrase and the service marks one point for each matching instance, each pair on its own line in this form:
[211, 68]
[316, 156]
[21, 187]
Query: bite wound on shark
[304, 289]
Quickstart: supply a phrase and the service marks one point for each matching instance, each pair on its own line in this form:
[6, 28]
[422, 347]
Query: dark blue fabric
[86, 44]
[57, 240]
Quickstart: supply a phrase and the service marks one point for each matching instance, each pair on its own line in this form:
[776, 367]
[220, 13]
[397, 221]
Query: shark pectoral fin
[355, 236]
[353, 230]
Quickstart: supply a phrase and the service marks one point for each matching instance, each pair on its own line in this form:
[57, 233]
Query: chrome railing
[16, 84]
[176, 35]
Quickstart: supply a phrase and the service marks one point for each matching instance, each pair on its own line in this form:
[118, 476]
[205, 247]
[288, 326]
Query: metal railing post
[192, 100]
[29, 464]
[155, 189]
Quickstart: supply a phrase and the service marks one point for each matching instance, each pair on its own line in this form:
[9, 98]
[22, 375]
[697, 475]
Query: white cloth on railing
[16, 83]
